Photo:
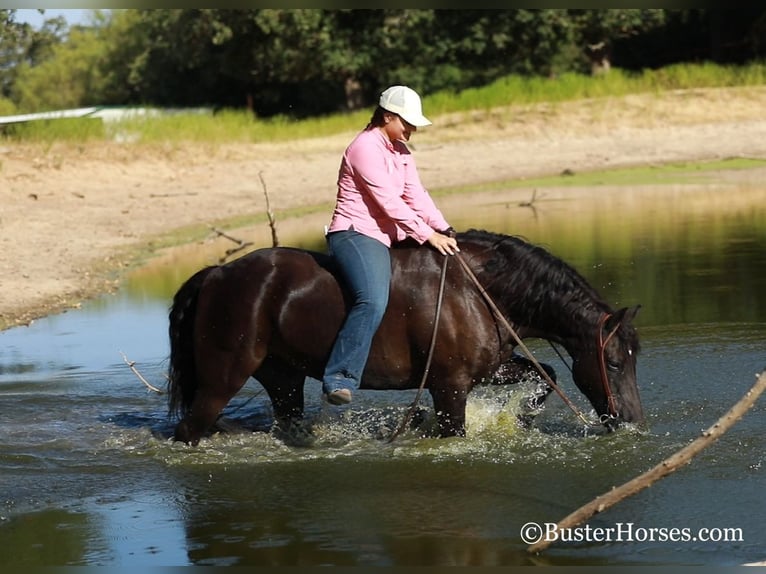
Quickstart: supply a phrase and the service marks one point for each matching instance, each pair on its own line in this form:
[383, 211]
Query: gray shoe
[339, 397]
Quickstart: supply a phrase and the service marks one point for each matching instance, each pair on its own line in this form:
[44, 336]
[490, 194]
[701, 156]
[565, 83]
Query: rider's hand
[443, 244]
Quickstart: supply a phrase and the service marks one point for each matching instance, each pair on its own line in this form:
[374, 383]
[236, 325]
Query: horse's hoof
[525, 421]
[294, 433]
[419, 416]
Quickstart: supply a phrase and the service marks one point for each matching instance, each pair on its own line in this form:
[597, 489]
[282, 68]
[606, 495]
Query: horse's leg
[284, 385]
[220, 376]
[534, 404]
[519, 369]
[449, 404]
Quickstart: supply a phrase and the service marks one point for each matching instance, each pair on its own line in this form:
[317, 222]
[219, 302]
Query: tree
[69, 78]
[302, 62]
[14, 37]
[22, 47]
[596, 30]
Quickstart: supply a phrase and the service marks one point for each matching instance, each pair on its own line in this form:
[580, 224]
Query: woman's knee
[374, 305]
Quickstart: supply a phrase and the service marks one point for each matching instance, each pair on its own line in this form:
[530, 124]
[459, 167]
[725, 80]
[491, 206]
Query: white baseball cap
[405, 102]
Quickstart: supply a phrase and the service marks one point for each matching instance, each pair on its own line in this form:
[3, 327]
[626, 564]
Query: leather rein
[501, 318]
[611, 402]
[602, 343]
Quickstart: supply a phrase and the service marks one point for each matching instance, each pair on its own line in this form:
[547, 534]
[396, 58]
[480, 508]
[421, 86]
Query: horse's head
[605, 369]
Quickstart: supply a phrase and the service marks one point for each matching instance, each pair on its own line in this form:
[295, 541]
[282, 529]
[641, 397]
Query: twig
[531, 202]
[241, 244]
[132, 365]
[181, 194]
[226, 236]
[232, 251]
[664, 468]
[269, 213]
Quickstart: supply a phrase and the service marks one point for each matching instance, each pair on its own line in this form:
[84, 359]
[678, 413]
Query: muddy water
[89, 476]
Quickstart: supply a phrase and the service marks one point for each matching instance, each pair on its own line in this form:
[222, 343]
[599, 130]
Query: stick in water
[667, 466]
[132, 365]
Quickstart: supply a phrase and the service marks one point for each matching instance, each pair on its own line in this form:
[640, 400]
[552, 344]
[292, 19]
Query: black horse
[273, 314]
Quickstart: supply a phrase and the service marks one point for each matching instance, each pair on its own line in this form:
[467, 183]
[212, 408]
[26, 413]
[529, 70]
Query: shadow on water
[90, 477]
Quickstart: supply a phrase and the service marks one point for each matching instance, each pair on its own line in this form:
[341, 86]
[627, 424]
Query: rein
[610, 400]
[499, 316]
[414, 404]
[602, 342]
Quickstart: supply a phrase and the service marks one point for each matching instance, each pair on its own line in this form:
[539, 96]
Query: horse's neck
[564, 320]
[541, 305]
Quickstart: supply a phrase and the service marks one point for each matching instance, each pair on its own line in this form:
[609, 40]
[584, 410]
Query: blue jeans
[365, 264]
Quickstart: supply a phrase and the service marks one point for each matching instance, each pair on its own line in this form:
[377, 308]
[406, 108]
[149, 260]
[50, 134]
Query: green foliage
[313, 62]
[310, 62]
[240, 125]
[7, 107]
[70, 78]
[21, 45]
[316, 62]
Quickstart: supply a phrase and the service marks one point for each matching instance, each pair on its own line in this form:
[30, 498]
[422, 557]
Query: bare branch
[241, 244]
[531, 202]
[269, 213]
[226, 236]
[132, 365]
[664, 468]
[181, 194]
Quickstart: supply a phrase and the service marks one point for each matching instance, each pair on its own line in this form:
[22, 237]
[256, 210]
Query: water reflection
[89, 477]
[51, 538]
[687, 253]
[88, 340]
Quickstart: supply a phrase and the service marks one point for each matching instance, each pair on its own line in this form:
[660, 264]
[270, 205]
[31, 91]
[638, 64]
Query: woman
[380, 201]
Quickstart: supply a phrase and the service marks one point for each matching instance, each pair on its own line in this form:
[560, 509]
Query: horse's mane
[530, 278]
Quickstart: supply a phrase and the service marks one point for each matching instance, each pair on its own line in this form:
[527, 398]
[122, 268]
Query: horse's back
[286, 298]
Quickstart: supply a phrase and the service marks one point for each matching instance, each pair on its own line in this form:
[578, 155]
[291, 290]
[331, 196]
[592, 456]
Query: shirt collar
[387, 142]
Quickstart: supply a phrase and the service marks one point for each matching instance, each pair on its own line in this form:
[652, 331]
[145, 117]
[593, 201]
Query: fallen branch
[227, 236]
[531, 202]
[269, 213]
[664, 468]
[180, 194]
[241, 244]
[132, 365]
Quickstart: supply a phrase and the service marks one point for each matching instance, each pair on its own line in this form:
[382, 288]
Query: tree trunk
[354, 94]
[600, 56]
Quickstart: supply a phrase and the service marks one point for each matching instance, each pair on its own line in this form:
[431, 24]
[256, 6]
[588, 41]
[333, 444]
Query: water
[90, 477]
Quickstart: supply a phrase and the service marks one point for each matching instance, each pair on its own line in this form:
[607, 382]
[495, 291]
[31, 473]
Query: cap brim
[417, 121]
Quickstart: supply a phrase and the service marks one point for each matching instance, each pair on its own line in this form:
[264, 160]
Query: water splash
[362, 431]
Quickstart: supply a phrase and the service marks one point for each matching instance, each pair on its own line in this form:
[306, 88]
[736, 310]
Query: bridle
[611, 402]
[501, 319]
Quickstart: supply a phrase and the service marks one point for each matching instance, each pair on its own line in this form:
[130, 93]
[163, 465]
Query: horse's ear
[624, 315]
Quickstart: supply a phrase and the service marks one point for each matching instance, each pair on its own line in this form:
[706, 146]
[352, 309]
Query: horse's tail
[182, 375]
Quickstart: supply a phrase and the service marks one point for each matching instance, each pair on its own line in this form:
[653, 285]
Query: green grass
[49, 131]
[235, 125]
[240, 126]
[568, 87]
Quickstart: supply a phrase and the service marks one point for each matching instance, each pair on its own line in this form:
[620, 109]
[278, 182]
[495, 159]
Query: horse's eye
[614, 367]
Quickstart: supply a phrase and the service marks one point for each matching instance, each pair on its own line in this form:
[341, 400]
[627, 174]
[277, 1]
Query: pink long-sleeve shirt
[380, 193]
